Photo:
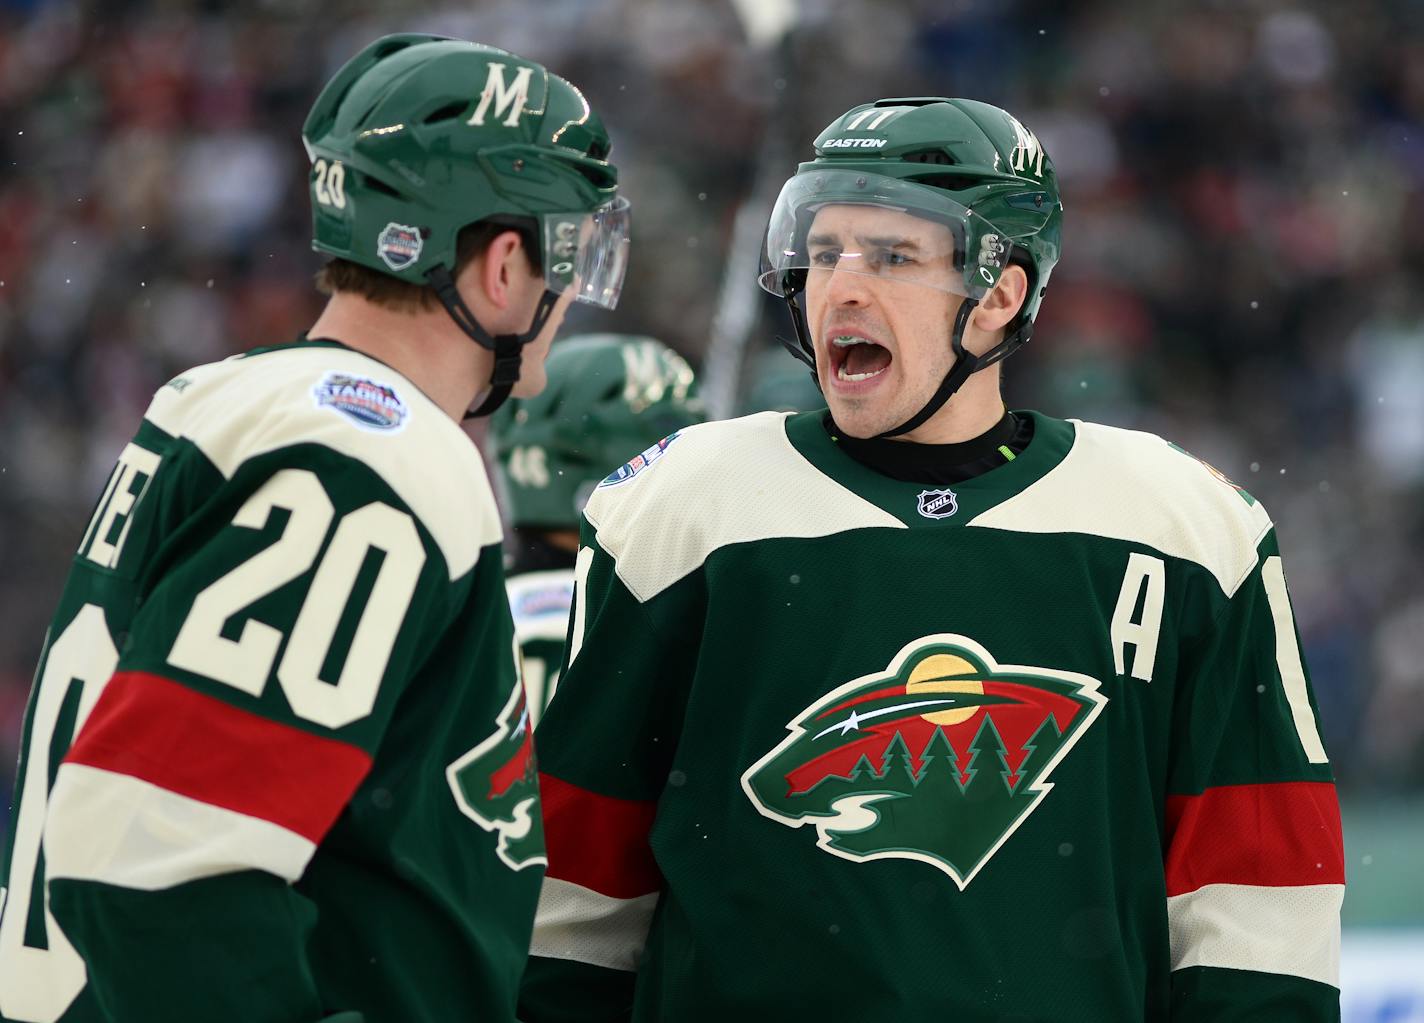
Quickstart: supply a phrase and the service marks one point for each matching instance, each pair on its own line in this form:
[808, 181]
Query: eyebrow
[876, 241]
[890, 242]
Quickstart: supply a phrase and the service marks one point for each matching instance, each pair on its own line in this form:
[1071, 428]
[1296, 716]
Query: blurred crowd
[1244, 245]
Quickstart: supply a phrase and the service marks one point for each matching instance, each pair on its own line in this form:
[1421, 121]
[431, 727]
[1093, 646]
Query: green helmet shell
[609, 396]
[982, 157]
[418, 136]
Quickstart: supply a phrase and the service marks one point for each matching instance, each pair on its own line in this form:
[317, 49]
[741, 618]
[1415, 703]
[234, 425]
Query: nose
[845, 286]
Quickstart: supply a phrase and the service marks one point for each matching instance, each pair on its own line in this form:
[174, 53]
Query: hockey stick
[770, 26]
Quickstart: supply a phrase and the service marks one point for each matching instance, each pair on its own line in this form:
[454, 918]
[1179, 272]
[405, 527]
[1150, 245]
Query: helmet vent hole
[935, 156]
[948, 182]
[445, 113]
[365, 117]
[394, 46]
[377, 185]
[599, 177]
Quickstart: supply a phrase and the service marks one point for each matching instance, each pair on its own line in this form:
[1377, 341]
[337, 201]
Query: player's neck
[425, 347]
[972, 411]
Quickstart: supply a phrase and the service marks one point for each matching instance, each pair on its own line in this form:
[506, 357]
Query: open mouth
[855, 358]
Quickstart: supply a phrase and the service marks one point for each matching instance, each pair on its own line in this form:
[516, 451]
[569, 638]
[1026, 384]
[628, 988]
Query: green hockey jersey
[541, 602]
[276, 765]
[1039, 746]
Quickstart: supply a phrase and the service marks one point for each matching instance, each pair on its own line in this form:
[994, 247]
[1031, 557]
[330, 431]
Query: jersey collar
[927, 504]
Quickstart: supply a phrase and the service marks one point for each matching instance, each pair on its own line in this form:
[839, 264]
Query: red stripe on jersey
[184, 741]
[599, 842]
[1286, 833]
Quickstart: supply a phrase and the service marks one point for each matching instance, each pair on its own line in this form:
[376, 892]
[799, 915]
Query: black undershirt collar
[938, 463]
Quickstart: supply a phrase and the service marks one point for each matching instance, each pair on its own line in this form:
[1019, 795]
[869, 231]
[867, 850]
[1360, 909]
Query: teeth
[841, 374]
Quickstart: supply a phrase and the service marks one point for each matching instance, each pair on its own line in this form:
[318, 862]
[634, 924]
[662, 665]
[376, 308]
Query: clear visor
[846, 221]
[588, 252]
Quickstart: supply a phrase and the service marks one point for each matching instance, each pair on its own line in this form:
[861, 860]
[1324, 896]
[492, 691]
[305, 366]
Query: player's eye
[889, 257]
[825, 257]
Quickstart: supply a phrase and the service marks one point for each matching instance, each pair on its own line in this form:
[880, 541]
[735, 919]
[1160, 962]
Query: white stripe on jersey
[122, 831]
[1293, 930]
[586, 926]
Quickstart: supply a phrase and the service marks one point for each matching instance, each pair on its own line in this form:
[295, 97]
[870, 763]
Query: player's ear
[497, 271]
[1003, 301]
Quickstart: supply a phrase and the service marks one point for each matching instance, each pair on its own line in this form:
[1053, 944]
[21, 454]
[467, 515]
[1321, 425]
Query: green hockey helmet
[420, 136]
[609, 396]
[972, 170]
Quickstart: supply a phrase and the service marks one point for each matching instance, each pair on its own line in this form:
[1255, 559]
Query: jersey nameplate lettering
[104, 540]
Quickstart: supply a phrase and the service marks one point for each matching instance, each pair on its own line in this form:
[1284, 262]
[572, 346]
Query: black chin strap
[507, 348]
[793, 282]
[965, 363]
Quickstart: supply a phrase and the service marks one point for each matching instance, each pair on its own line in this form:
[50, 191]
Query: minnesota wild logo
[939, 758]
[496, 785]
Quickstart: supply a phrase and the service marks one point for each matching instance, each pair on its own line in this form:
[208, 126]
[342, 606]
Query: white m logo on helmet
[1028, 151]
[504, 97]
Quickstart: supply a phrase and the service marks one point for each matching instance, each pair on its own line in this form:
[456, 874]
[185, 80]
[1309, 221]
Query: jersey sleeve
[276, 624]
[1254, 857]
[605, 747]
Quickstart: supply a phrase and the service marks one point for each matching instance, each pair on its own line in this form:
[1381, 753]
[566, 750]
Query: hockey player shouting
[917, 708]
[276, 765]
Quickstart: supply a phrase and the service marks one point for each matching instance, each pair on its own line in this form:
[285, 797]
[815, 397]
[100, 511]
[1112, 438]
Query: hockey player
[276, 764]
[609, 396]
[922, 709]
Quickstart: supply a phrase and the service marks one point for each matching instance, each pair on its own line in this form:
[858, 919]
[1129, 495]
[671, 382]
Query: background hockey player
[608, 397]
[276, 765]
[919, 707]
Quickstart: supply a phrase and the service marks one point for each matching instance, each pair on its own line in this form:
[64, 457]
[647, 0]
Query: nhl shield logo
[939, 758]
[938, 504]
